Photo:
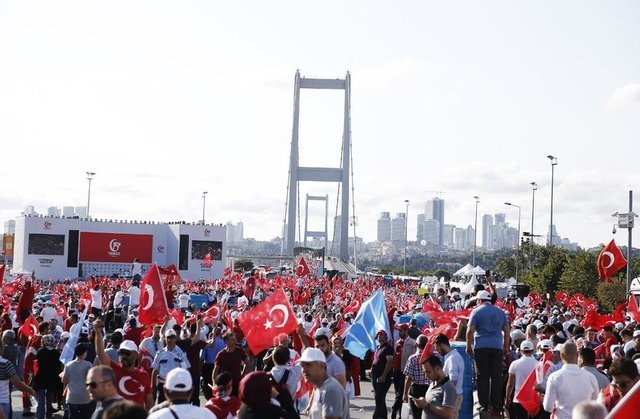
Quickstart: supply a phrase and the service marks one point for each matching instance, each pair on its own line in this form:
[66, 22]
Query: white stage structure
[57, 248]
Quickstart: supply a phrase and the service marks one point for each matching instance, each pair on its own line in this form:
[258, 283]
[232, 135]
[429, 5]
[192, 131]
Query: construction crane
[438, 193]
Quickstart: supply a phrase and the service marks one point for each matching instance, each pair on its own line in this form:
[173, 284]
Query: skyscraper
[384, 227]
[398, 225]
[420, 227]
[487, 223]
[434, 210]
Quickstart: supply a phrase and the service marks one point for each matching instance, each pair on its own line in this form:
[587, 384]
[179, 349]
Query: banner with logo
[115, 247]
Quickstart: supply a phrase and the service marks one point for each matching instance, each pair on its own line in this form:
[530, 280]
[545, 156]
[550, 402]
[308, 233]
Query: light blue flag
[69, 347]
[371, 317]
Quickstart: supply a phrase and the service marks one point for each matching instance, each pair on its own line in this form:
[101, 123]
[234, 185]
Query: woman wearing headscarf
[258, 398]
[46, 380]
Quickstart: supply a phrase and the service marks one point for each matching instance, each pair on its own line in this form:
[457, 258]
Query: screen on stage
[200, 248]
[46, 244]
[115, 247]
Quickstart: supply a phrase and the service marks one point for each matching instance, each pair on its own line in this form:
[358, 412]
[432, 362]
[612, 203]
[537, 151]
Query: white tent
[468, 287]
[465, 270]
[477, 271]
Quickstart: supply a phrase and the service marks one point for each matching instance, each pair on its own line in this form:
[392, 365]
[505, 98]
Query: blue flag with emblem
[69, 347]
[371, 318]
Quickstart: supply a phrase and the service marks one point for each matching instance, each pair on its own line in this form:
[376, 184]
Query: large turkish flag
[153, 301]
[610, 261]
[265, 322]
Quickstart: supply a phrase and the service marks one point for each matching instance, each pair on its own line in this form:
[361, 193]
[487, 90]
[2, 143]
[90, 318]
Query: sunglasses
[124, 352]
[94, 385]
[622, 385]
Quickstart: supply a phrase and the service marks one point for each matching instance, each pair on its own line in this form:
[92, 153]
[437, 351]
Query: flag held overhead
[610, 261]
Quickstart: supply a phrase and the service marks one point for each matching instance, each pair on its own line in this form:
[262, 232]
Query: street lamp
[534, 188]
[90, 176]
[519, 212]
[554, 163]
[627, 221]
[406, 225]
[204, 200]
[475, 231]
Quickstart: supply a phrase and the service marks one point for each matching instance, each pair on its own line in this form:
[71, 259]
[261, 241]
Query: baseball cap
[313, 355]
[517, 335]
[403, 326]
[325, 320]
[170, 332]
[636, 333]
[526, 345]
[381, 331]
[558, 348]
[178, 379]
[483, 295]
[619, 326]
[129, 345]
[546, 344]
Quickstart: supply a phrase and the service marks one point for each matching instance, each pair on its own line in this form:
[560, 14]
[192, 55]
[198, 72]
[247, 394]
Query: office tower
[434, 210]
[448, 235]
[432, 231]
[420, 227]
[384, 227]
[398, 225]
[487, 223]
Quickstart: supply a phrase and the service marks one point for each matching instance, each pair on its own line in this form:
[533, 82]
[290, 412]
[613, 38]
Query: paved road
[361, 407]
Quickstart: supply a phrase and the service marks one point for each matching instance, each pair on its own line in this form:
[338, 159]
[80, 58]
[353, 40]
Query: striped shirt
[414, 370]
[6, 372]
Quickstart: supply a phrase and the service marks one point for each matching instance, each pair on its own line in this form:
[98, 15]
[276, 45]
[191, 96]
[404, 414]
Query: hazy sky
[164, 100]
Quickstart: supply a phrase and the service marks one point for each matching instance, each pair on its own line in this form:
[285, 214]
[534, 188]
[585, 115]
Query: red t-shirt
[132, 385]
[223, 407]
[231, 362]
[134, 334]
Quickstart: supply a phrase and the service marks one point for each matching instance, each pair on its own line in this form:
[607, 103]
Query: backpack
[284, 397]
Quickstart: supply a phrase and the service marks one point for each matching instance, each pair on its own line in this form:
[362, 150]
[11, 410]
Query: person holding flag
[132, 383]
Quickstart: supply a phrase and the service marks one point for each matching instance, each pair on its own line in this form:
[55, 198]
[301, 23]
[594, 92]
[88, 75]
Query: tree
[439, 273]
[610, 295]
[580, 274]
[244, 264]
[506, 267]
[544, 267]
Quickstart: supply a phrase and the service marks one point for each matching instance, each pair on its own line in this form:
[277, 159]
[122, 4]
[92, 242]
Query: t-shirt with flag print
[132, 385]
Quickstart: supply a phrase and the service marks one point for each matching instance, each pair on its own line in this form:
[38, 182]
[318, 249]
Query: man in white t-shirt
[134, 297]
[519, 370]
[177, 389]
[136, 269]
[183, 301]
[96, 301]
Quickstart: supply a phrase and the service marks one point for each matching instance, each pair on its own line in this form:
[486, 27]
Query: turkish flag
[171, 274]
[610, 261]
[207, 260]
[632, 308]
[303, 268]
[353, 307]
[29, 327]
[153, 301]
[262, 324]
[2, 269]
[562, 296]
[249, 287]
[213, 313]
[629, 406]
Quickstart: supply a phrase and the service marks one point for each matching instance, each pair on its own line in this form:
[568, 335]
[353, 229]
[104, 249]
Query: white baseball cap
[178, 379]
[526, 345]
[546, 344]
[483, 295]
[129, 345]
[313, 355]
[170, 332]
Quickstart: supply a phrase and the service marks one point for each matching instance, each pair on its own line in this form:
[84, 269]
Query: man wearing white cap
[487, 342]
[518, 372]
[329, 399]
[132, 383]
[177, 390]
[168, 358]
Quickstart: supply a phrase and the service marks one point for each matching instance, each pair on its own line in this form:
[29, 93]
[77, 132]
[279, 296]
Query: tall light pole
[406, 226]
[204, 201]
[554, 163]
[519, 213]
[534, 188]
[475, 231]
[90, 176]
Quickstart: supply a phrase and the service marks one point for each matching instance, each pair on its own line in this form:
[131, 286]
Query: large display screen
[200, 248]
[115, 247]
[46, 244]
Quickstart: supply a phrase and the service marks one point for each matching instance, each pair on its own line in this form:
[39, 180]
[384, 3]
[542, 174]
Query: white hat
[619, 326]
[170, 332]
[483, 295]
[178, 379]
[325, 320]
[558, 348]
[555, 312]
[636, 333]
[129, 345]
[526, 345]
[313, 355]
[517, 334]
[546, 344]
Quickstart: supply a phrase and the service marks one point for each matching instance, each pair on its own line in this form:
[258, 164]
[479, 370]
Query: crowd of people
[118, 368]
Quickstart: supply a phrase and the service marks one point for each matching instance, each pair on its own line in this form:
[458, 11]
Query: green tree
[439, 273]
[506, 267]
[244, 264]
[580, 274]
[610, 295]
[544, 268]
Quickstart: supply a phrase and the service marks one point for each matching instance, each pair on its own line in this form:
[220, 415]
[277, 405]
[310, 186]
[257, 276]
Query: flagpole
[630, 229]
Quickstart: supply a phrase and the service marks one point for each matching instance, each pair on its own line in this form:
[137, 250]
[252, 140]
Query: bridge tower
[320, 174]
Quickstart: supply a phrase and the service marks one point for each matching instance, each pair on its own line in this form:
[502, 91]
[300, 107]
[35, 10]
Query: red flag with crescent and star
[610, 261]
[262, 324]
[153, 301]
[303, 268]
[29, 327]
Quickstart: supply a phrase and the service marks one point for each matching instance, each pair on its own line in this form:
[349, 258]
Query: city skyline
[462, 98]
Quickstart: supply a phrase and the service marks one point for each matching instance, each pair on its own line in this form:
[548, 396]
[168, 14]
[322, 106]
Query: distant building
[487, 224]
[448, 235]
[420, 227]
[398, 229]
[235, 233]
[384, 227]
[432, 231]
[460, 239]
[434, 210]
